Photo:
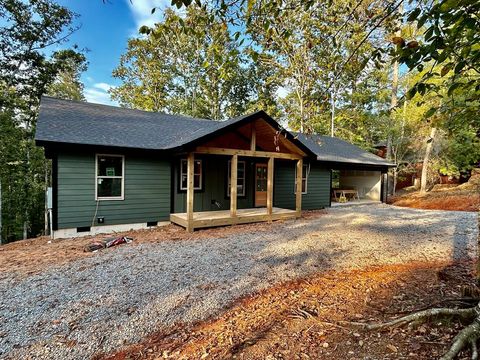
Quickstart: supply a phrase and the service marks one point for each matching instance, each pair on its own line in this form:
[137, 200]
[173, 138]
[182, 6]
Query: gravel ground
[117, 297]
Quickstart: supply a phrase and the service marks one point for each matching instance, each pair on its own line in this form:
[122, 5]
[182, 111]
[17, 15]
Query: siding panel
[147, 192]
[215, 186]
[318, 186]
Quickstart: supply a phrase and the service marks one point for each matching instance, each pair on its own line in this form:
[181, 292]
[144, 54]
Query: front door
[260, 185]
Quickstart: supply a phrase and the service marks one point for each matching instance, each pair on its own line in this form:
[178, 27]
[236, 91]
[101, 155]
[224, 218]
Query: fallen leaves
[302, 319]
[452, 199]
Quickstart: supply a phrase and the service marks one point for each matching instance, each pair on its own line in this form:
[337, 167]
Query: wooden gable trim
[259, 115]
[249, 153]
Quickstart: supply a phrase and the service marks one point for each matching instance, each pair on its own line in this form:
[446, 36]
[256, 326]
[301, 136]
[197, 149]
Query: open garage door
[368, 184]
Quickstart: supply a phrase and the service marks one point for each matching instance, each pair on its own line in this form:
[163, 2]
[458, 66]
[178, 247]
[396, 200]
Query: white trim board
[110, 198]
[105, 229]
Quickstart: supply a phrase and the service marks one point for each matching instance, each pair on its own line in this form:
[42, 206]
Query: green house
[118, 169]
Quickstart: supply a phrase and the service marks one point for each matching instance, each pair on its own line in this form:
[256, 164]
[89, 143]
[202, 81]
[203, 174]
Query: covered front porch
[256, 146]
[204, 219]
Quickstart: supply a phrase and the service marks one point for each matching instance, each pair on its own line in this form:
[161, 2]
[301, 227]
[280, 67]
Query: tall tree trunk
[395, 172]
[394, 98]
[397, 155]
[302, 124]
[332, 120]
[426, 159]
[333, 98]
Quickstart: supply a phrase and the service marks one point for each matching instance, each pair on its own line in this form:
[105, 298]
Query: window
[197, 174]
[240, 178]
[109, 177]
[305, 171]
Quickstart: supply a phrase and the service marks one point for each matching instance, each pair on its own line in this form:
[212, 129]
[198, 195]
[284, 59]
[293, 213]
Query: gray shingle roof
[340, 151]
[74, 122]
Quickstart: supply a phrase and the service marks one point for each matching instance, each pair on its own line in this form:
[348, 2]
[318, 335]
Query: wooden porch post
[253, 139]
[190, 192]
[270, 186]
[298, 194]
[233, 187]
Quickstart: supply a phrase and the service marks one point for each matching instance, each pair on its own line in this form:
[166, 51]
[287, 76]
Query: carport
[357, 175]
[359, 183]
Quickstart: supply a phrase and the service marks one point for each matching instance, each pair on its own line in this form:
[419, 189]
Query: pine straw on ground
[305, 319]
[451, 199]
[27, 257]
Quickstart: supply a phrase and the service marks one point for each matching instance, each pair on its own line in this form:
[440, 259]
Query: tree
[186, 64]
[67, 83]
[28, 28]
[306, 47]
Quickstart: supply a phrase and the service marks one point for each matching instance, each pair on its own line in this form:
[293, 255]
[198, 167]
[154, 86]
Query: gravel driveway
[117, 297]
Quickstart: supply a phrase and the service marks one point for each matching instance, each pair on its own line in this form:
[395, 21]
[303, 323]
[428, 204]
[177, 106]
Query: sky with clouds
[105, 29]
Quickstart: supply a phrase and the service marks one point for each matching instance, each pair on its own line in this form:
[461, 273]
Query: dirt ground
[308, 319]
[448, 199]
[34, 255]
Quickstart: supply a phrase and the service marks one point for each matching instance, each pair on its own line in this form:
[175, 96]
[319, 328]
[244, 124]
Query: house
[116, 169]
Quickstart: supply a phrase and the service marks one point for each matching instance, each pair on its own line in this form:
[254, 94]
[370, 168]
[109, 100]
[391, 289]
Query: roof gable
[82, 123]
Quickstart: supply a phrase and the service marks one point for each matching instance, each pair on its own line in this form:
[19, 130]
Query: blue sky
[105, 29]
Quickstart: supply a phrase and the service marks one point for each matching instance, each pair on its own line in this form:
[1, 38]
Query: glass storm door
[260, 185]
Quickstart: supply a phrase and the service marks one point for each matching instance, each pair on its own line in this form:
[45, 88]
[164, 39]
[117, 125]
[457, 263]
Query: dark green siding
[214, 186]
[146, 197]
[318, 186]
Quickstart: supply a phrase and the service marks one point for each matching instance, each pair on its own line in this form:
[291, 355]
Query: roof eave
[385, 164]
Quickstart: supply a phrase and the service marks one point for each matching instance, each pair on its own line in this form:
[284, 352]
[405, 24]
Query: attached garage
[356, 174]
[368, 184]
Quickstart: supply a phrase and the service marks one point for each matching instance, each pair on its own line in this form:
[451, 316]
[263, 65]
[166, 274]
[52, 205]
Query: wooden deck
[222, 217]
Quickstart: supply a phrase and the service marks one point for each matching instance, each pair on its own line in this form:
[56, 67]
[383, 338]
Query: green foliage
[67, 84]
[305, 47]
[28, 28]
[449, 40]
[188, 65]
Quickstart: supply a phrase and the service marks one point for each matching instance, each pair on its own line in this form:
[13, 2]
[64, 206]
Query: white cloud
[98, 94]
[103, 86]
[142, 11]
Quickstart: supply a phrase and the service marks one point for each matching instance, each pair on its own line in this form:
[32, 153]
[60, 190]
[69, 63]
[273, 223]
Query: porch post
[190, 192]
[233, 187]
[298, 193]
[253, 139]
[270, 186]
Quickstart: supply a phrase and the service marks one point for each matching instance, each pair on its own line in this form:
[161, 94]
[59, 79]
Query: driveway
[121, 295]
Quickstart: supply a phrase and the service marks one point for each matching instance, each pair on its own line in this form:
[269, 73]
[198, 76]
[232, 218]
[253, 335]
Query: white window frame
[199, 187]
[229, 177]
[307, 172]
[103, 198]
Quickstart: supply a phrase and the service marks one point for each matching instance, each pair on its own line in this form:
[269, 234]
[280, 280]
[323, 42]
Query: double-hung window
[109, 177]
[305, 171]
[240, 178]
[197, 174]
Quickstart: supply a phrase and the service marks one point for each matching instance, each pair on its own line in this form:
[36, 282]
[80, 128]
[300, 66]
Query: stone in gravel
[185, 281]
